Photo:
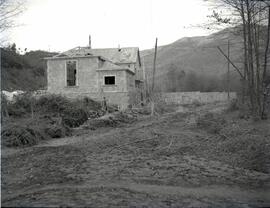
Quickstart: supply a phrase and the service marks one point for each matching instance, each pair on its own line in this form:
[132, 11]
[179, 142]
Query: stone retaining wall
[191, 97]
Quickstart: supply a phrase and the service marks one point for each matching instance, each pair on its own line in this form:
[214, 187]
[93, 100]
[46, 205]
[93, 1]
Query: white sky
[59, 25]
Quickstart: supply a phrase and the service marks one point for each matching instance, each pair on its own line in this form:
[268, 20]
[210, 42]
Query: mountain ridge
[197, 55]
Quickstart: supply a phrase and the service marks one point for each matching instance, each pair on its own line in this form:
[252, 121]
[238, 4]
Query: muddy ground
[164, 161]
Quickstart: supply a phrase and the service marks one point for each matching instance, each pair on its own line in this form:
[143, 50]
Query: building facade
[115, 74]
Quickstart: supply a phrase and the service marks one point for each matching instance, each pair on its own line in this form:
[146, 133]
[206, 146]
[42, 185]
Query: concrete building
[113, 73]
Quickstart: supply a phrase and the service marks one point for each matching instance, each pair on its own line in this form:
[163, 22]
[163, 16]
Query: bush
[52, 103]
[21, 105]
[244, 112]
[74, 117]
[233, 106]
[27, 131]
[90, 104]
[73, 112]
[15, 136]
[57, 131]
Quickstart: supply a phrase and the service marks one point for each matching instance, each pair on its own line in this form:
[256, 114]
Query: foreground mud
[154, 162]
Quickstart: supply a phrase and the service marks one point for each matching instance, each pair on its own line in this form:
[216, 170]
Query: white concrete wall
[190, 97]
[90, 82]
[86, 76]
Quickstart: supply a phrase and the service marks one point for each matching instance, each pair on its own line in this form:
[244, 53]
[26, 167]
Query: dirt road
[154, 162]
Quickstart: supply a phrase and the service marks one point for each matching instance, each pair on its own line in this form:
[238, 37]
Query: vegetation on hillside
[178, 80]
[23, 72]
[194, 57]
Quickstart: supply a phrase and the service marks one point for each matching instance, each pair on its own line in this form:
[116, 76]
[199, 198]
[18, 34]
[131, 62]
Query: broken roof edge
[63, 55]
[74, 57]
[105, 48]
[69, 57]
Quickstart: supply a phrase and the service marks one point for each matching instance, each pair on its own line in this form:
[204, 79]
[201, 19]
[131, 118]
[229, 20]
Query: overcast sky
[59, 25]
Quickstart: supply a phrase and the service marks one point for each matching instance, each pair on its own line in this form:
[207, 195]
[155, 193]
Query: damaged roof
[108, 66]
[116, 55]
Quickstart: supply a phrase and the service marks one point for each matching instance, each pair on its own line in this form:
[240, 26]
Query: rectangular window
[71, 68]
[109, 80]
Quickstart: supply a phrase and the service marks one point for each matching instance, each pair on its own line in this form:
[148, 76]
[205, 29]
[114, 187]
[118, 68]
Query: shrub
[16, 112]
[57, 131]
[244, 112]
[52, 103]
[27, 131]
[73, 112]
[17, 135]
[21, 105]
[74, 117]
[233, 105]
[90, 104]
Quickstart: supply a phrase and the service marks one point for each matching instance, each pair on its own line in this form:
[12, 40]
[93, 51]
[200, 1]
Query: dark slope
[23, 72]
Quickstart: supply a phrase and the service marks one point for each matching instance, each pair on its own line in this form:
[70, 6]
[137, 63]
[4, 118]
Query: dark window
[71, 73]
[109, 80]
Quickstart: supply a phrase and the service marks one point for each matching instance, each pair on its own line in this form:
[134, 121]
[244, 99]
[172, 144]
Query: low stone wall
[191, 97]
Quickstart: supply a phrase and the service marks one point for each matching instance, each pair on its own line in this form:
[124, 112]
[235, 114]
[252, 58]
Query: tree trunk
[264, 84]
[246, 69]
[250, 60]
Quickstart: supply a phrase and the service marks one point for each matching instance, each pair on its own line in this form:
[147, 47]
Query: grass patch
[236, 141]
[247, 151]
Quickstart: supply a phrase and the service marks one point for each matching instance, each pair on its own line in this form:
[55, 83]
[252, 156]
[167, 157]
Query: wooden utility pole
[153, 82]
[154, 66]
[229, 60]
[228, 72]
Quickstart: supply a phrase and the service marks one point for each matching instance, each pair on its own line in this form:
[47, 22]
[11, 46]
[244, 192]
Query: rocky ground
[161, 161]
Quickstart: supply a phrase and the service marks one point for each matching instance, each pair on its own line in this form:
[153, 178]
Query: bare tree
[254, 16]
[9, 9]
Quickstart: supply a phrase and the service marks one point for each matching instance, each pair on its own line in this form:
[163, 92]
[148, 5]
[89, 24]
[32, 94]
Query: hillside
[23, 72]
[196, 55]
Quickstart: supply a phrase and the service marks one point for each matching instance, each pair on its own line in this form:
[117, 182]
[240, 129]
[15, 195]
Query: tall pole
[154, 66]
[228, 72]
[90, 42]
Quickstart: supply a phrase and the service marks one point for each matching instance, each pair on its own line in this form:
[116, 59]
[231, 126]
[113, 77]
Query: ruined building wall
[90, 82]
